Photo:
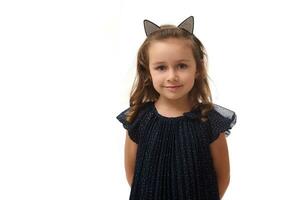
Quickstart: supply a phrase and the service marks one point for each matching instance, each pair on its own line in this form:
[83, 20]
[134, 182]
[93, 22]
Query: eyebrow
[162, 62]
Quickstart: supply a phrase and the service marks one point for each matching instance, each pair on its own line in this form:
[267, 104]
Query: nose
[172, 75]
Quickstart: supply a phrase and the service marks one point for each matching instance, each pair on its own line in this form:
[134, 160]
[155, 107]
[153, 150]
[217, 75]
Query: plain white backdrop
[66, 69]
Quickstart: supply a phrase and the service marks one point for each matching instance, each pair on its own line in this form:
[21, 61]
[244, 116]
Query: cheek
[192, 83]
[189, 80]
[156, 78]
[156, 81]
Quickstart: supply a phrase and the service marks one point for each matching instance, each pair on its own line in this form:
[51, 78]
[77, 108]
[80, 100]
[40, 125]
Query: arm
[220, 155]
[130, 150]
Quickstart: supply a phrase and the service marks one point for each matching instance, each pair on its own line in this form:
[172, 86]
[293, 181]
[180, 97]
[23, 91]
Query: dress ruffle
[133, 127]
[221, 121]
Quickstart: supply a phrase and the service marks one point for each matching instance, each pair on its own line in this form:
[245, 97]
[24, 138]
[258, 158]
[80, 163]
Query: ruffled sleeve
[132, 128]
[221, 120]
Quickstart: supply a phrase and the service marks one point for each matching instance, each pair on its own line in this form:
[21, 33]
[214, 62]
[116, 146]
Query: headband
[151, 27]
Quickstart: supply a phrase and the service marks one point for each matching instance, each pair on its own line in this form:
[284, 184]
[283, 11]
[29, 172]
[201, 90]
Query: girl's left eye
[182, 66]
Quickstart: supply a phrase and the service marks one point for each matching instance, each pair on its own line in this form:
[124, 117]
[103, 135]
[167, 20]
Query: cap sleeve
[221, 120]
[132, 128]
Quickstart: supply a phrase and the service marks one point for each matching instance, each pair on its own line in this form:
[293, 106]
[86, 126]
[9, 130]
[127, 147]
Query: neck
[183, 104]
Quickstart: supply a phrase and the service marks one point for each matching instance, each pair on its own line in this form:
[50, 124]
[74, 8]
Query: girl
[175, 146]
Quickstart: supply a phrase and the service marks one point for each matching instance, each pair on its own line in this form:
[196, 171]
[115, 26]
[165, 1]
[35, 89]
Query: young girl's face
[172, 68]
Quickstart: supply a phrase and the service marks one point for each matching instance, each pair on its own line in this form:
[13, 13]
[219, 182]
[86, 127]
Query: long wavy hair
[143, 91]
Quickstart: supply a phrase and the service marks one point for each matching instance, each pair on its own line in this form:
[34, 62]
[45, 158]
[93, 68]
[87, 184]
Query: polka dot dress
[173, 160]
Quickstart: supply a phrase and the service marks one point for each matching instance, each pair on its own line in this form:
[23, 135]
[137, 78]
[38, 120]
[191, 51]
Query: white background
[66, 69]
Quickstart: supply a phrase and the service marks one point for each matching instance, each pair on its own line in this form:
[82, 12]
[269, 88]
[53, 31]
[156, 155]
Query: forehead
[170, 49]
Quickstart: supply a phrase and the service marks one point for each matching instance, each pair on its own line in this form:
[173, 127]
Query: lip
[173, 86]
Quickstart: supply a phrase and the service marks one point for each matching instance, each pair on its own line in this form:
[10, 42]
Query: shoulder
[134, 126]
[221, 111]
[221, 120]
[143, 109]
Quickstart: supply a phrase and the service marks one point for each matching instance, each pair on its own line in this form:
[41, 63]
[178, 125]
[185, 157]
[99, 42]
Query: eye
[160, 67]
[182, 66]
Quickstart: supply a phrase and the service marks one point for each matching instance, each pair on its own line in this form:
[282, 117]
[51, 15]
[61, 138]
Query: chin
[172, 97]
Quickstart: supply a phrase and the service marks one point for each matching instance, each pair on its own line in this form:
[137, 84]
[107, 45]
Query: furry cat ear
[188, 24]
[150, 27]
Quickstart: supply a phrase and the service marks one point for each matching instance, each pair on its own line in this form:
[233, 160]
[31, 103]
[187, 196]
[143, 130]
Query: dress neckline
[190, 114]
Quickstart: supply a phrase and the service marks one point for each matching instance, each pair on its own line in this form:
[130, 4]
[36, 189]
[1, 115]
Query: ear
[188, 24]
[150, 27]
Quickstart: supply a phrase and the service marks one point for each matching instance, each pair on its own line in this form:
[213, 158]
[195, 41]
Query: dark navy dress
[173, 160]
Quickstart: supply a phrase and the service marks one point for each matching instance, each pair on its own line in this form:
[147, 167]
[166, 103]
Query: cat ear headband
[151, 27]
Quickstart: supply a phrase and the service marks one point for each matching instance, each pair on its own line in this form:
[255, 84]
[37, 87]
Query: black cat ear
[188, 24]
[150, 27]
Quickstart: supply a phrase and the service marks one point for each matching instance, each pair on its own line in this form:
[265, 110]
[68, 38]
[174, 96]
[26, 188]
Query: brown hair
[143, 90]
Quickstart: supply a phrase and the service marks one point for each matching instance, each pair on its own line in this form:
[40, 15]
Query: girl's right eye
[160, 68]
